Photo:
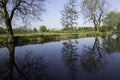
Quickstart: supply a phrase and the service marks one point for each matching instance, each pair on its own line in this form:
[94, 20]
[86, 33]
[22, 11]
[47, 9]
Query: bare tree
[25, 10]
[94, 10]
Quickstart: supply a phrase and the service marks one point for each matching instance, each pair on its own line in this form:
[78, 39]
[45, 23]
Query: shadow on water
[28, 67]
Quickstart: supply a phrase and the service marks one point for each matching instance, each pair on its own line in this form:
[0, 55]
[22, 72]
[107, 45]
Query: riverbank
[48, 36]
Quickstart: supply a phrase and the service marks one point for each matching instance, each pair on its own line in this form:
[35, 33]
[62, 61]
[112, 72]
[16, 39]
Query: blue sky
[51, 19]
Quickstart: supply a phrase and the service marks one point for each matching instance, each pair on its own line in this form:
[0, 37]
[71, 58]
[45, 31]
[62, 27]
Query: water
[94, 58]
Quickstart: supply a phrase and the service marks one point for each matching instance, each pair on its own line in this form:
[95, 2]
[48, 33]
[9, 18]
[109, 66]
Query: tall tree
[14, 10]
[110, 20]
[69, 15]
[94, 10]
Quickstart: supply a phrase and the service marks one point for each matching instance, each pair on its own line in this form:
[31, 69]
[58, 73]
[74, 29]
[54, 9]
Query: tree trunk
[97, 30]
[7, 19]
[9, 31]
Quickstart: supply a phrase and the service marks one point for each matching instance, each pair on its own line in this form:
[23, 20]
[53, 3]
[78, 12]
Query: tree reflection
[70, 56]
[92, 57]
[24, 67]
[111, 44]
[69, 53]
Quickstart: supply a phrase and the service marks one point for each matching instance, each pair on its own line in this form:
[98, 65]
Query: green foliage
[94, 11]
[35, 30]
[13, 11]
[49, 36]
[17, 30]
[22, 29]
[43, 28]
[2, 30]
[103, 28]
[112, 20]
[69, 15]
[118, 22]
[86, 29]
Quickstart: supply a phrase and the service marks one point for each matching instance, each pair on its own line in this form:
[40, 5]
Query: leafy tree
[35, 30]
[103, 28]
[69, 15]
[110, 20]
[43, 28]
[94, 10]
[14, 10]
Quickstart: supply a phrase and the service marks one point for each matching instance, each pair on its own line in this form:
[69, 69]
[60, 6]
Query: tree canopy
[25, 10]
[69, 15]
[94, 11]
[112, 20]
[17, 10]
[43, 28]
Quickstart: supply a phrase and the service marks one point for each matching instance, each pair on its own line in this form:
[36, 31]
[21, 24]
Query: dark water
[95, 58]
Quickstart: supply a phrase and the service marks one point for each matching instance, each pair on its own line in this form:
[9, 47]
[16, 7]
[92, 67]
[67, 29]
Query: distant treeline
[26, 29]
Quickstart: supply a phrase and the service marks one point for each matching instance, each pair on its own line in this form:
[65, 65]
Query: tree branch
[15, 8]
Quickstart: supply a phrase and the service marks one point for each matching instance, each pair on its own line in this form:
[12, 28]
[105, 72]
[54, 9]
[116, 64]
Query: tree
[94, 10]
[14, 10]
[118, 22]
[69, 15]
[43, 28]
[34, 30]
[110, 20]
[103, 28]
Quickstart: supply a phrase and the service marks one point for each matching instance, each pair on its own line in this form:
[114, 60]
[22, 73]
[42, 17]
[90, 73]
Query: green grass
[82, 33]
[49, 36]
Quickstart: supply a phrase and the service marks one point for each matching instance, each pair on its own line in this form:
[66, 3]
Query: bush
[103, 29]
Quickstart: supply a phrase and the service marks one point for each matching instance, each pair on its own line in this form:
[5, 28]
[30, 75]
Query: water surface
[93, 58]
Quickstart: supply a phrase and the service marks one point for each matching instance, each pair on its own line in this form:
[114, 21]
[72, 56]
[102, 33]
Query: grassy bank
[48, 36]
